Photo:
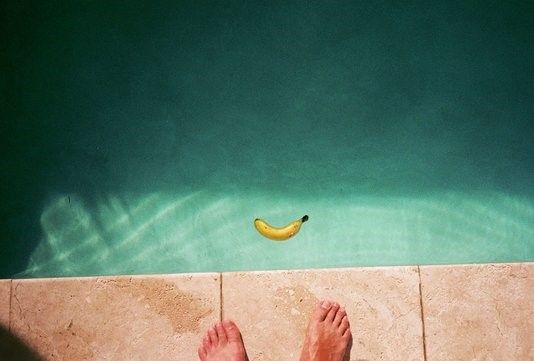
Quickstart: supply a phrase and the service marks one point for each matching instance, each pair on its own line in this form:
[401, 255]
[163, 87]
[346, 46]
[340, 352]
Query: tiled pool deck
[434, 313]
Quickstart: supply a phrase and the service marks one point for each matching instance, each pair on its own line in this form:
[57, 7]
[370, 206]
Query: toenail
[326, 305]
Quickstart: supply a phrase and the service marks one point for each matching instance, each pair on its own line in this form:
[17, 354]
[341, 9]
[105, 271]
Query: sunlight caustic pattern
[203, 231]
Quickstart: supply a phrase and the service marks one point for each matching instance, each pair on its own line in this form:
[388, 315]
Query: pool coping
[427, 312]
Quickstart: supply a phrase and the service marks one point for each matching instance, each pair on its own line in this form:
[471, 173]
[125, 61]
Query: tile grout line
[10, 298]
[422, 313]
[221, 303]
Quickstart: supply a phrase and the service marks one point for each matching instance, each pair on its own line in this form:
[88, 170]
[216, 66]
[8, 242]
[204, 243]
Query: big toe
[321, 310]
[232, 331]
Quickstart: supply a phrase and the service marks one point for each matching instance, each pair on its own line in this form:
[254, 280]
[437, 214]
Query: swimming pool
[147, 138]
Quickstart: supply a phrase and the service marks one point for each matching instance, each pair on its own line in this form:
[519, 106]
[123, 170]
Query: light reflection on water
[209, 231]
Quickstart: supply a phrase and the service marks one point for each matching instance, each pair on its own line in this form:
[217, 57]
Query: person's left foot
[222, 342]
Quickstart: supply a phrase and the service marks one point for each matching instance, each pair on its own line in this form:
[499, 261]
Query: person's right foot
[328, 334]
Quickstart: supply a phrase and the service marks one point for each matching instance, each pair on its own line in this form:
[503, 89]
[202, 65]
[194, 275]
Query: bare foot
[222, 342]
[328, 334]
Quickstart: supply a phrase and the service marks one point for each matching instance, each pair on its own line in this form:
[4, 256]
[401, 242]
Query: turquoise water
[205, 231]
[147, 137]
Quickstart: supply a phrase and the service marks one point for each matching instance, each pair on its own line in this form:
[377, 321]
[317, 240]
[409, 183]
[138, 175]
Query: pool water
[206, 231]
[146, 138]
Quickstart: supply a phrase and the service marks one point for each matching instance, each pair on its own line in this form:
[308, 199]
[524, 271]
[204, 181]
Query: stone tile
[479, 312]
[5, 294]
[116, 318]
[272, 310]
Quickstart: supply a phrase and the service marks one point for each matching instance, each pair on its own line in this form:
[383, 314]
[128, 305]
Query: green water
[145, 137]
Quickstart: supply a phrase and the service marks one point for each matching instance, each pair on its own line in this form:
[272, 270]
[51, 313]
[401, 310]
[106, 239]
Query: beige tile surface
[479, 312]
[5, 293]
[116, 318]
[272, 310]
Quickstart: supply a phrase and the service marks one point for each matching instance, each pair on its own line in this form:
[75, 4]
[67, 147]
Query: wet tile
[116, 318]
[272, 310]
[479, 312]
[5, 293]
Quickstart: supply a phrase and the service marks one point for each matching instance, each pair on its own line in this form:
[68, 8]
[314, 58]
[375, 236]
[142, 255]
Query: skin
[328, 334]
[327, 337]
[222, 342]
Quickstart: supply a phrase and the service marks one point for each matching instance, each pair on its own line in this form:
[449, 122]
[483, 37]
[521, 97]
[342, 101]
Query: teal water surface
[145, 137]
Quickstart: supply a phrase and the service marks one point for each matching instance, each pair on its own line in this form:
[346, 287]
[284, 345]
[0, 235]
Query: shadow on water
[12, 348]
[317, 102]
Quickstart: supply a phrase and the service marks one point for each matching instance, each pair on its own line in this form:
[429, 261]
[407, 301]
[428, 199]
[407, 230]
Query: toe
[347, 334]
[332, 312]
[202, 354]
[213, 336]
[221, 334]
[206, 343]
[339, 316]
[321, 310]
[344, 324]
[231, 331]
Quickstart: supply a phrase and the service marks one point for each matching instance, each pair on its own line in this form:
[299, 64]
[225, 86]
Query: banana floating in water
[279, 233]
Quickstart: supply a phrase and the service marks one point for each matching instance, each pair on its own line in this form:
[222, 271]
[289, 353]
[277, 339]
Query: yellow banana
[279, 233]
